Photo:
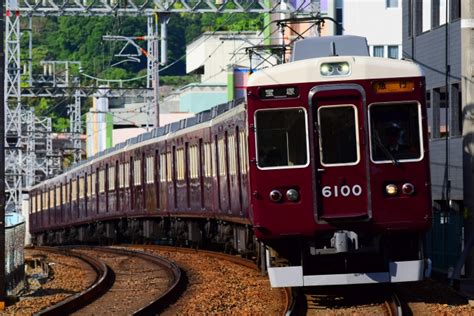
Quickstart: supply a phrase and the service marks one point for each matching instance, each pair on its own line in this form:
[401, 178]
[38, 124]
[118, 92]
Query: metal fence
[14, 257]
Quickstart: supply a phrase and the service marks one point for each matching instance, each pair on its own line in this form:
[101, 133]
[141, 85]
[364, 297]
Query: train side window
[33, 204]
[101, 181]
[338, 135]
[89, 185]
[81, 187]
[180, 164]
[193, 162]
[126, 177]
[281, 138]
[163, 167]
[221, 152]
[51, 198]
[137, 172]
[150, 169]
[65, 195]
[57, 195]
[207, 160]
[93, 182]
[395, 132]
[232, 153]
[121, 175]
[111, 178]
[214, 158]
[169, 167]
[243, 152]
[73, 190]
[44, 201]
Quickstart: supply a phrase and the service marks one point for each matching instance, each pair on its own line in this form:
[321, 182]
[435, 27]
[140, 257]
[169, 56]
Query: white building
[211, 53]
[379, 21]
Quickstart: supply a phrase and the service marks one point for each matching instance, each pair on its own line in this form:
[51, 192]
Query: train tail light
[292, 195]
[275, 196]
[391, 189]
[408, 189]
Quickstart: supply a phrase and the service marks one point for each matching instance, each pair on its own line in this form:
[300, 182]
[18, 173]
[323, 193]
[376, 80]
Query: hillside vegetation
[80, 39]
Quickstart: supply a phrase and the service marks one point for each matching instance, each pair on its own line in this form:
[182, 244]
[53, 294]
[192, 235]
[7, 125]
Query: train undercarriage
[210, 234]
[327, 260]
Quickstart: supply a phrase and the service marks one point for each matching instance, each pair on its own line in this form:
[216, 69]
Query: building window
[455, 9]
[410, 18]
[391, 3]
[378, 51]
[418, 17]
[435, 13]
[393, 52]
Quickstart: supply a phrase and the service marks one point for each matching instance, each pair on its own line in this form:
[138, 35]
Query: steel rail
[177, 275]
[105, 279]
[289, 299]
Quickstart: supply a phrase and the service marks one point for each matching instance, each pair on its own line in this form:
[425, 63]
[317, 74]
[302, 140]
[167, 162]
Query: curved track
[289, 303]
[102, 283]
[120, 289]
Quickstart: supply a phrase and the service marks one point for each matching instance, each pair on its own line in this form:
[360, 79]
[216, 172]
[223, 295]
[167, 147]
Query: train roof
[361, 68]
[315, 47]
[201, 117]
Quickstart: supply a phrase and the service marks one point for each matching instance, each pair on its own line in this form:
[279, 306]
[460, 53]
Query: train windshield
[338, 140]
[281, 138]
[395, 132]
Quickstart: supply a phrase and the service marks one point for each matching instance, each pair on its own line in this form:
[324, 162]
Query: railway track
[349, 300]
[129, 282]
[254, 290]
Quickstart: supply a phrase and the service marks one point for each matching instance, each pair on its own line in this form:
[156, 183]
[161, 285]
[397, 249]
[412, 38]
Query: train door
[341, 159]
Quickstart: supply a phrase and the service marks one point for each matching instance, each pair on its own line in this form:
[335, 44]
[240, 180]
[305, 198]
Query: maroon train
[322, 173]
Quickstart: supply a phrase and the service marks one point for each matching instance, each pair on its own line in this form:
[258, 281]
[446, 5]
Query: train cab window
[395, 132]
[282, 139]
[338, 137]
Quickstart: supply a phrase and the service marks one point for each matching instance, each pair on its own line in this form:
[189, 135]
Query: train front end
[339, 170]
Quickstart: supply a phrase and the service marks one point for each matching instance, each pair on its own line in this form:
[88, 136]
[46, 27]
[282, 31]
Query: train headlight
[335, 69]
[275, 196]
[408, 189]
[327, 69]
[292, 195]
[391, 189]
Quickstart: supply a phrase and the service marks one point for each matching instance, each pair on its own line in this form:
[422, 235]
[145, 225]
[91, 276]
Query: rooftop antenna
[333, 48]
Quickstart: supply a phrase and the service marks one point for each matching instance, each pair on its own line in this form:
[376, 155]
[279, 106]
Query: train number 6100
[345, 190]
